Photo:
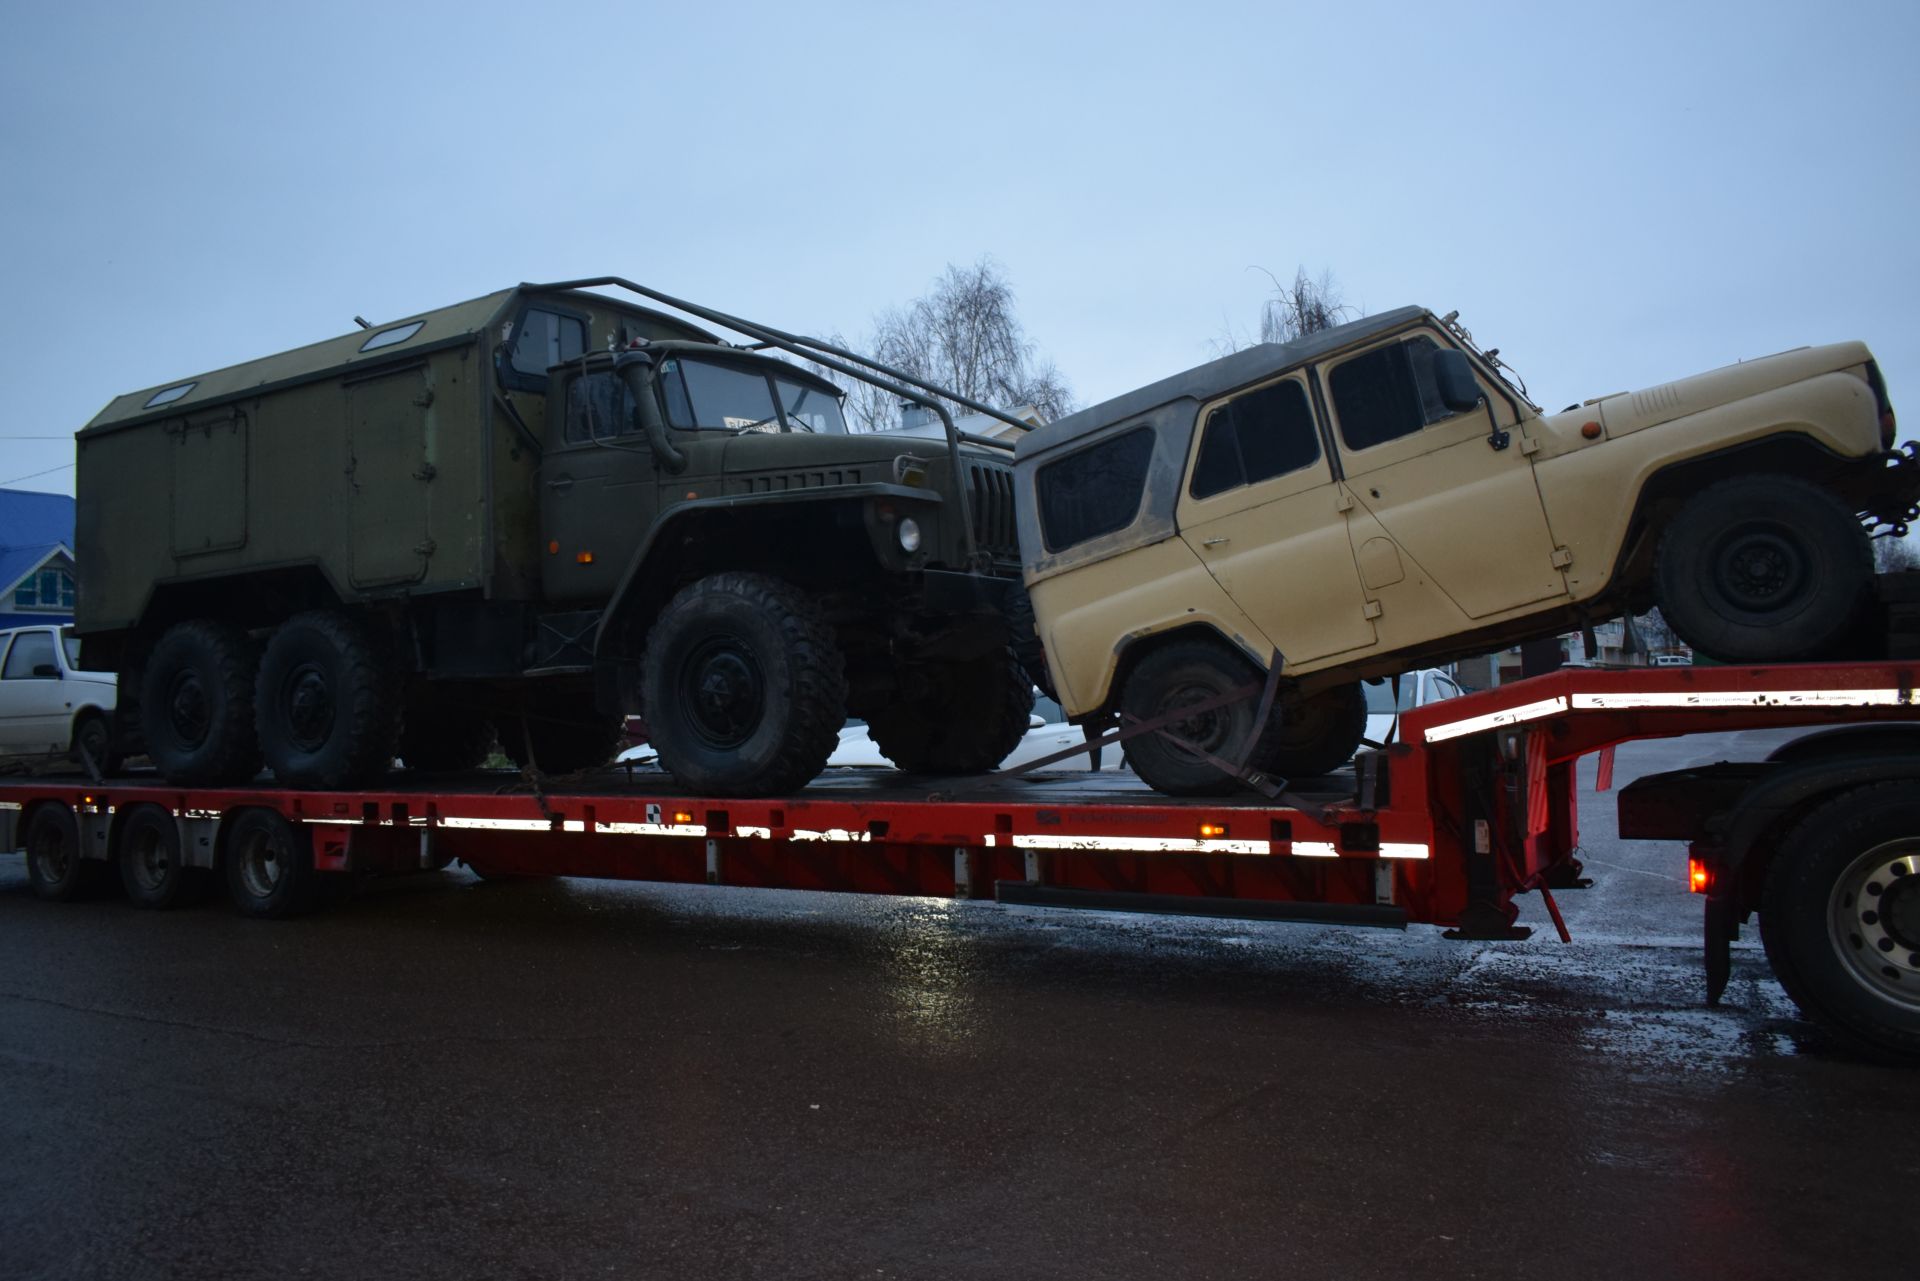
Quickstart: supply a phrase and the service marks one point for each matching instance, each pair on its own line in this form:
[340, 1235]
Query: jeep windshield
[705, 395]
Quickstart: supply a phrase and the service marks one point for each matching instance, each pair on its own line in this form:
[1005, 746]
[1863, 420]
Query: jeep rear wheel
[1185, 674]
[1313, 736]
[326, 702]
[1764, 569]
[965, 718]
[744, 687]
[196, 705]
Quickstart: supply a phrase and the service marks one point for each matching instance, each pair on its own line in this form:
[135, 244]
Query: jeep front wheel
[744, 688]
[964, 719]
[1764, 569]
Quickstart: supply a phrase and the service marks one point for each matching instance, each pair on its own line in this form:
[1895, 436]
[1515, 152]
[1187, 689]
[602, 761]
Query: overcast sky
[1613, 199]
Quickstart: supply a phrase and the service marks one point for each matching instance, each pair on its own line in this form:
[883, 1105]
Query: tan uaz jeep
[1379, 496]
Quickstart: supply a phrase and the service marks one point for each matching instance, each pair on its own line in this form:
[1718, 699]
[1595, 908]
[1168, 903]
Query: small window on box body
[393, 336]
[168, 396]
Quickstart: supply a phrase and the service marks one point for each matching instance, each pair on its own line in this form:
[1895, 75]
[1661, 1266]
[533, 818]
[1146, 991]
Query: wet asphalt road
[588, 1079]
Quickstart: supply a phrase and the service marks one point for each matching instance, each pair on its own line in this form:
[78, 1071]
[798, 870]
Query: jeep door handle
[562, 484]
[1214, 542]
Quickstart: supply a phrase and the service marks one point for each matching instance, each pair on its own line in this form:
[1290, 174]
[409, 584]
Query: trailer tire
[438, 735]
[196, 705]
[1314, 735]
[55, 866]
[1186, 672]
[269, 865]
[1764, 569]
[971, 715]
[744, 687]
[567, 735]
[147, 849]
[326, 703]
[1840, 918]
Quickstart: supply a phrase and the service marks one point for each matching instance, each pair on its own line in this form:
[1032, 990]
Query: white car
[48, 705]
[1417, 689]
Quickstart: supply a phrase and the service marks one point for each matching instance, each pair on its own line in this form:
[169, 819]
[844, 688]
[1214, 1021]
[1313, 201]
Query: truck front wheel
[1840, 917]
[744, 688]
[196, 705]
[965, 719]
[1764, 569]
[326, 703]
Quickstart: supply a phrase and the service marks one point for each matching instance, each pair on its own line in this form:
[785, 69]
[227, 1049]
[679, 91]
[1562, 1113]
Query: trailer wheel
[326, 703]
[1316, 735]
[151, 867]
[269, 865]
[1764, 569]
[566, 735]
[196, 705]
[1181, 674]
[438, 735]
[55, 867]
[966, 721]
[1840, 917]
[744, 686]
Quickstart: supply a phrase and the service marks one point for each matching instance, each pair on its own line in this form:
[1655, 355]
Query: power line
[33, 475]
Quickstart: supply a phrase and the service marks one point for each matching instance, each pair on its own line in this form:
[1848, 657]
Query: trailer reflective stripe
[1315, 849]
[1494, 720]
[543, 825]
[1142, 844]
[1397, 849]
[1736, 698]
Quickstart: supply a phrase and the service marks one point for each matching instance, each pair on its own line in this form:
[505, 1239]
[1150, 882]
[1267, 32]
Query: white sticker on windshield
[751, 424]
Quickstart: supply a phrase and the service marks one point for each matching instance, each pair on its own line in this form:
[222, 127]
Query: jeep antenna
[361, 322]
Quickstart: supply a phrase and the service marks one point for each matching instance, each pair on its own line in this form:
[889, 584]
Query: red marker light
[1699, 876]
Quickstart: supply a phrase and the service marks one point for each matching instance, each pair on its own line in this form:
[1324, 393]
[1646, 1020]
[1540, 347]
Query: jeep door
[1262, 512]
[1448, 507]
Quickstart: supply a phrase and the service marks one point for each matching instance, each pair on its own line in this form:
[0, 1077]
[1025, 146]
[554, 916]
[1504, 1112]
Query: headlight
[909, 530]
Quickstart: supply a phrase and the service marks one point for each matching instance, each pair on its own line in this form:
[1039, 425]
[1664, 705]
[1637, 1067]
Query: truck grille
[990, 499]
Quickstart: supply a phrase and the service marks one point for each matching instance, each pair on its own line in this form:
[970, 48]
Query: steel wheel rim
[149, 864]
[189, 709]
[1760, 566]
[1209, 730]
[261, 867]
[1873, 919]
[307, 706]
[722, 692]
[53, 855]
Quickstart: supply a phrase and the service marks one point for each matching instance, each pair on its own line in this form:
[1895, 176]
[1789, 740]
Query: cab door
[598, 489]
[1263, 513]
[34, 707]
[1465, 515]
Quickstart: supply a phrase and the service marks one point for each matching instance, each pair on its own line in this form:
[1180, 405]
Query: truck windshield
[714, 397]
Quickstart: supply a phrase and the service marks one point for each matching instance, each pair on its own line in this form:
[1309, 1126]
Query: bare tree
[964, 335]
[1891, 555]
[1305, 306]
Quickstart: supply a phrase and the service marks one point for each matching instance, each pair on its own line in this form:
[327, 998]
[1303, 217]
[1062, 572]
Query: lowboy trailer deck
[1477, 806]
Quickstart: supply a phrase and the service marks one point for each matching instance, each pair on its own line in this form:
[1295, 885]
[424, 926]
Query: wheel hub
[150, 863]
[308, 705]
[188, 711]
[260, 867]
[1761, 567]
[1875, 919]
[724, 693]
[1207, 730]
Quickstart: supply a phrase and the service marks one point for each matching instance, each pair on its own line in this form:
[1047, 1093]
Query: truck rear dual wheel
[269, 865]
[965, 721]
[1840, 918]
[1765, 569]
[326, 702]
[55, 867]
[745, 689]
[196, 704]
[151, 867]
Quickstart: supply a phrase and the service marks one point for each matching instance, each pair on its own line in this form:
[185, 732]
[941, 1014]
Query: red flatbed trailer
[1476, 806]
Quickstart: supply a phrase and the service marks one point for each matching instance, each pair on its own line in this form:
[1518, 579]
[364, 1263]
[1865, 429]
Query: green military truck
[521, 518]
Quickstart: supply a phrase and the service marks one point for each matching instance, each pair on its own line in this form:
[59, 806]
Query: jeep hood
[1632, 410]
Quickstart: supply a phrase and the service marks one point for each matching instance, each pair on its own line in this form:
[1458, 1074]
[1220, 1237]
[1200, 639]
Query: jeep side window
[1387, 393]
[1094, 491]
[545, 339]
[1254, 437]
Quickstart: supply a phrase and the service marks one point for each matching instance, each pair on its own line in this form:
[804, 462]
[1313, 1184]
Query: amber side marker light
[681, 816]
[1590, 430]
[583, 558]
[1212, 831]
[1699, 876]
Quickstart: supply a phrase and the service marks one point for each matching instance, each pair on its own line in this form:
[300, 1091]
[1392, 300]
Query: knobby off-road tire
[326, 703]
[269, 865]
[1313, 736]
[744, 687]
[55, 868]
[1184, 673]
[567, 733]
[438, 734]
[196, 705]
[966, 721]
[1840, 918]
[151, 868]
[1765, 569]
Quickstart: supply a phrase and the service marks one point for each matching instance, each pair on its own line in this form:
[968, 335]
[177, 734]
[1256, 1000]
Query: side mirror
[46, 670]
[1453, 379]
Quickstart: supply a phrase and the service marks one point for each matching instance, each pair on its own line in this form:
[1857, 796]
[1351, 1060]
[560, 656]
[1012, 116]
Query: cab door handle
[563, 484]
[1214, 542]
